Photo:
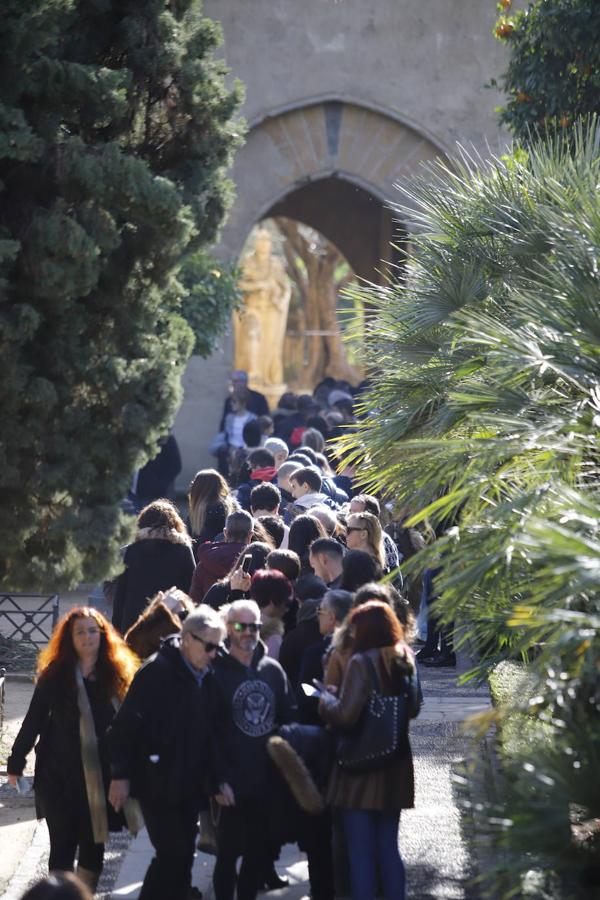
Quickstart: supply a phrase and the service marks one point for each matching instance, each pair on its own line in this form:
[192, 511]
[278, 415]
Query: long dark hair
[303, 531]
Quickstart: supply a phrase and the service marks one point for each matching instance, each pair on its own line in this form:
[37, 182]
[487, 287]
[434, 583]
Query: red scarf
[266, 474]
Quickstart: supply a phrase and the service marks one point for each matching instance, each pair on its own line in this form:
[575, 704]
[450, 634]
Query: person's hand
[225, 797]
[118, 793]
[326, 699]
[240, 580]
[12, 780]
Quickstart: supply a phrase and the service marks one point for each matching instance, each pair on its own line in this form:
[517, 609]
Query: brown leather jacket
[390, 787]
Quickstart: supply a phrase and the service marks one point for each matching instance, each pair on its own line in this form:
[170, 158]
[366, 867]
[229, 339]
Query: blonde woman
[364, 532]
[210, 502]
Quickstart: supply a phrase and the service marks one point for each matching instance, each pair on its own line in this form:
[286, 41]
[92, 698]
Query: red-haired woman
[370, 802]
[82, 675]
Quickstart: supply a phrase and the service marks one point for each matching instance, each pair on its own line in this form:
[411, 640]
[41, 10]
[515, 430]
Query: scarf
[268, 473]
[92, 770]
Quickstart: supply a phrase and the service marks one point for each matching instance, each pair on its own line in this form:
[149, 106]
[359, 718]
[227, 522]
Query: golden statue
[259, 329]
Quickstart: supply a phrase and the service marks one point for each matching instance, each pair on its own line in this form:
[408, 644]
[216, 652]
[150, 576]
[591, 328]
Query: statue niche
[259, 327]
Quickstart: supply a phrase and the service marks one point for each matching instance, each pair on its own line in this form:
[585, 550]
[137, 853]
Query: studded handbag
[381, 734]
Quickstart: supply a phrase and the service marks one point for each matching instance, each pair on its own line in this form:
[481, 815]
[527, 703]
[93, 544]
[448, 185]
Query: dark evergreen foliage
[116, 127]
[553, 74]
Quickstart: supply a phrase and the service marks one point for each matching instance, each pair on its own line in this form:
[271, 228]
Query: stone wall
[362, 90]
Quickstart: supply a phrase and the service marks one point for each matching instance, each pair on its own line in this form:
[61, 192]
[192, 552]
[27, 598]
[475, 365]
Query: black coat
[161, 737]
[305, 634]
[159, 559]
[53, 721]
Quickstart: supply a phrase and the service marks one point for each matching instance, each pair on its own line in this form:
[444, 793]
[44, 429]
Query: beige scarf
[92, 771]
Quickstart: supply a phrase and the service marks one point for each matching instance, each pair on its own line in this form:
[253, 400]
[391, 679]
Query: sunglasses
[208, 645]
[246, 626]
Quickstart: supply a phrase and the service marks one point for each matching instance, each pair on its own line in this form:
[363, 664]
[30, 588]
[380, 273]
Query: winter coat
[155, 623]
[157, 478]
[53, 721]
[311, 667]
[306, 502]
[305, 634]
[251, 702]
[333, 491]
[215, 559]
[158, 559]
[161, 737]
[245, 489]
[389, 787]
[214, 523]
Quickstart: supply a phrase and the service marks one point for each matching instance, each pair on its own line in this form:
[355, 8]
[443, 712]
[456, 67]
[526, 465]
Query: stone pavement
[437, 860]
[431, 841]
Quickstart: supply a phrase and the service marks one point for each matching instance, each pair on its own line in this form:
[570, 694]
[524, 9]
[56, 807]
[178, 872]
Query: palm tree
[488, 416]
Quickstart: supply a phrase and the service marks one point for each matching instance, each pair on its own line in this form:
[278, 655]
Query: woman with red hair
[370, 802]
[83, 674]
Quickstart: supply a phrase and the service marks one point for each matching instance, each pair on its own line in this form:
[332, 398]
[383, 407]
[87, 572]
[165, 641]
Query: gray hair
[325, 515]
[238, 605]
[203, 617]
[339, 602]
[276, 445]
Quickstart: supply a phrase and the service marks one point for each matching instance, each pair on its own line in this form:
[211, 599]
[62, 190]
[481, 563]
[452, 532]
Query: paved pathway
[438, 865]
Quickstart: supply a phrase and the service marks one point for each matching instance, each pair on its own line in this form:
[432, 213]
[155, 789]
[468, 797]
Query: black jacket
[161, 737]
[53, 721]
[250, 703]
[305, 634]
[158, 559]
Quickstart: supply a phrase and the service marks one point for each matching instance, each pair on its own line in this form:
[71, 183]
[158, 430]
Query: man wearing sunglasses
[253, 698]
[162, 749]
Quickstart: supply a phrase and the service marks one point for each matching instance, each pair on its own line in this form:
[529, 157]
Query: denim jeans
[372, 838]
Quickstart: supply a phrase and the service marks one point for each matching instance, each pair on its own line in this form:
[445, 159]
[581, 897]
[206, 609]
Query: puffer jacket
[390, 787]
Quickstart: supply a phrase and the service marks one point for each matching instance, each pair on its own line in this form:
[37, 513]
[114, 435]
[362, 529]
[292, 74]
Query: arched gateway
[330, 163]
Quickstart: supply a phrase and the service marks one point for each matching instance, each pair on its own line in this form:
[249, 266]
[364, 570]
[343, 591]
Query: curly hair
[116, 664]
[161, 514]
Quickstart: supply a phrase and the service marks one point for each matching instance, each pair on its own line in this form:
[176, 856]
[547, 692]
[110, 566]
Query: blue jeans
[372, 837]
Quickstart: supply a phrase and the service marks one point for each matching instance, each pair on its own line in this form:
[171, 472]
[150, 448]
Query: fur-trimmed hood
[163, 534]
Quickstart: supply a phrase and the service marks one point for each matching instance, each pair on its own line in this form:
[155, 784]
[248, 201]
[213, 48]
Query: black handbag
[382, 731]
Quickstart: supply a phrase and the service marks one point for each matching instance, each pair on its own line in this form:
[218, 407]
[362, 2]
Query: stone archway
[332, 140]
[332, 163]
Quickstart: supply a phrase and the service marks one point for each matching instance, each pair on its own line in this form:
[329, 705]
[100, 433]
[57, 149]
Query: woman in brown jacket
[370, 802]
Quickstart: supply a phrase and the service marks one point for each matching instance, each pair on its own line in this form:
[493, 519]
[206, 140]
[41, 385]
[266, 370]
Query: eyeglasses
[208, 645]
[246, 626]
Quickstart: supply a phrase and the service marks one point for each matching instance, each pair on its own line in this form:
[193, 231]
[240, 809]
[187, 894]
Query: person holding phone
[161, 749]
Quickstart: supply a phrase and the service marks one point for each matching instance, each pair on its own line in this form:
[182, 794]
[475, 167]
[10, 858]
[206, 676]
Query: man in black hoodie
[252, 698]
[162, 751]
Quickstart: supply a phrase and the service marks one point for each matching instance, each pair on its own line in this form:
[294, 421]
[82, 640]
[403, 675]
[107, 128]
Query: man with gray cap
[161, 749]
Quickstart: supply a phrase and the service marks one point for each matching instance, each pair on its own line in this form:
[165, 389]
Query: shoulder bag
[382, 731]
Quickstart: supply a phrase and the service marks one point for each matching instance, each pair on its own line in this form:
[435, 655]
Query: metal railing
[26, 623]
[2, 697]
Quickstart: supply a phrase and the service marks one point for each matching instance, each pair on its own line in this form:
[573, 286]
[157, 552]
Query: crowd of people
[265, 621]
